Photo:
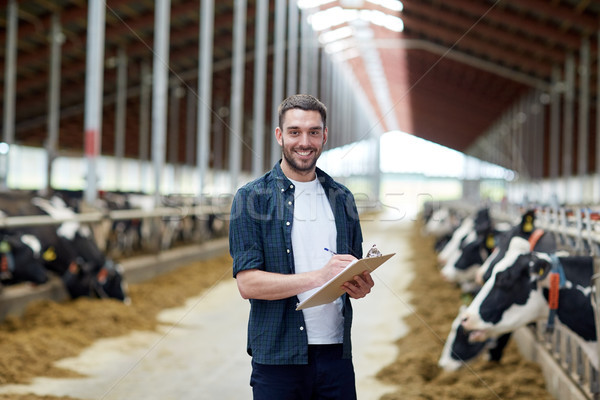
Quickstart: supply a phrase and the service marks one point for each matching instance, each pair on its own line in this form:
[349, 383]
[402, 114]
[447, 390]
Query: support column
[94, 94]
[190, 126]
[554, 169]
[205, 72]
[10, 71]
[260, 86]
[57, 38]
[144, 124]
[304, 52]
[160, 92]
[10, 75]
[237, 93]
[569, 111]
[584, 108]
[174, 134]
[292, 66]
[120, 115]
[278, 75]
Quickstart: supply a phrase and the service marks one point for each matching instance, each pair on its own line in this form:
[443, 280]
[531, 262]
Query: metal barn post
[236, 109]
[205, 72]
[94, 94]
[278, 75]
[160, 92]
[260, 86]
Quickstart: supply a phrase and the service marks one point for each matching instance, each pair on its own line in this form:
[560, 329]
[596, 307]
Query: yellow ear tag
[490, 242]
[528, 225]
[49, 255]
[541, 272]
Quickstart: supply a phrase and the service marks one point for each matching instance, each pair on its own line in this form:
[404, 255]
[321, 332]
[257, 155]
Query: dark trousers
[326, 376]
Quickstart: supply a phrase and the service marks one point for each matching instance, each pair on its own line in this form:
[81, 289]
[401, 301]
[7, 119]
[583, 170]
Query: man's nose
[304, 139]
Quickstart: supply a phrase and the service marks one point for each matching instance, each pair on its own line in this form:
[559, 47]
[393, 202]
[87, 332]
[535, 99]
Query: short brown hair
[304, 102]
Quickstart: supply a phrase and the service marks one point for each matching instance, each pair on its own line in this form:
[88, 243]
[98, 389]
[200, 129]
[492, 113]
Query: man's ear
[325, 135]
[278, 134]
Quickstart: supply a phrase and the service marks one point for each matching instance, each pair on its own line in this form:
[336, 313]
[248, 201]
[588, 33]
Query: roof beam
[458, 40]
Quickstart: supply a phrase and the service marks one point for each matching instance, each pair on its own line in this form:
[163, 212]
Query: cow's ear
[539, 268]
[527, 221]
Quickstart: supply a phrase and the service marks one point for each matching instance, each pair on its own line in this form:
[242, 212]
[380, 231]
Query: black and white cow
[70, 251]
[517, 294]
[20, 259]
[469, 229]
[458, 349]
[441, 224]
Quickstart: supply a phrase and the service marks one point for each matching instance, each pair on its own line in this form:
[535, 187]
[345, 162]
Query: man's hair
[304, 102]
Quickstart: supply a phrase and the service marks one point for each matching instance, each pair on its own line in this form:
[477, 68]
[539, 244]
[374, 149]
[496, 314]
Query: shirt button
[301, 328]
[288, 250]
[283, 190]
[290, 203]
[288, 223]
[291, 186]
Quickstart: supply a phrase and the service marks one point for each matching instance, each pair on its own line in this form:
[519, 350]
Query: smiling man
[280, 225]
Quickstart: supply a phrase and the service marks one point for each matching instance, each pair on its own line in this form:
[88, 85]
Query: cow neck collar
[534, 238]
[557, 281]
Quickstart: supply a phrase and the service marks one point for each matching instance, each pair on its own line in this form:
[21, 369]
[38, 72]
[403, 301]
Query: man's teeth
[303, 153]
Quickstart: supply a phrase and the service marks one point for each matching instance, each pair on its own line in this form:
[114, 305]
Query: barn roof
[456, 67]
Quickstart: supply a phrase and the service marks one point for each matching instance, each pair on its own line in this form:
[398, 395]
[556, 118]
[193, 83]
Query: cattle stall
[127, 236]
[559, 351]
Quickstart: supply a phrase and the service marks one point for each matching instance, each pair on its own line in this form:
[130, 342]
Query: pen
[331, 251]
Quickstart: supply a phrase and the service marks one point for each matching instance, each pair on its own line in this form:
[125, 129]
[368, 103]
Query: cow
[469, 228]
[441, 224]
[73, 254]
[458, 349]
[517, 293]
[462, 267]
[20, 259]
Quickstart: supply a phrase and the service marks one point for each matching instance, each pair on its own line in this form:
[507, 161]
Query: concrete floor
[201, 354]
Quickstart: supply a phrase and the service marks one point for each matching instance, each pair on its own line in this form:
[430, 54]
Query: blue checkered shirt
[260, 237]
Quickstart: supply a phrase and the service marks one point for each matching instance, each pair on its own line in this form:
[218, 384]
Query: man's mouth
[304, 153]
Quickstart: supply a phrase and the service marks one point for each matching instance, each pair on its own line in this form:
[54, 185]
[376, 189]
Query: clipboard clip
[373, 252]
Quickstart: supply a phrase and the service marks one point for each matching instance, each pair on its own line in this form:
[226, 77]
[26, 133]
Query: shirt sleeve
[245, 244]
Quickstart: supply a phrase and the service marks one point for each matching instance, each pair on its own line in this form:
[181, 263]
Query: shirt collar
[284, 184]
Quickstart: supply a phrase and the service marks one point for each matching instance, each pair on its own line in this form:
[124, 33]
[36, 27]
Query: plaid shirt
[260, 237]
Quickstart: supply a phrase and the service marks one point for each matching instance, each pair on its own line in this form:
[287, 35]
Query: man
[280, 226]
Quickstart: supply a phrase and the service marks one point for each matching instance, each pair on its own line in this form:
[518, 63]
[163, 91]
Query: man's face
[302, 138]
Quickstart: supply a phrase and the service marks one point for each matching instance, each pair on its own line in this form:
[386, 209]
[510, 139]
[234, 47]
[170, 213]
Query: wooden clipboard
[333, 288]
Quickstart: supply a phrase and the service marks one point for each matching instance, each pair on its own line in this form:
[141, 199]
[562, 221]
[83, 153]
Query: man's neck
[299, 176]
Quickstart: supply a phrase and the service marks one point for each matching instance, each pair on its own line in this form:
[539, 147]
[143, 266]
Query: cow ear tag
[490, 242]
[4, 247]
[49, 254]
[528, 225]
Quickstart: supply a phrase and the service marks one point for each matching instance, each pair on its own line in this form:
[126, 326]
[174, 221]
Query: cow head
[510, 298]
[458, 349]
[522, 230]
[455, 241]
[462, 267]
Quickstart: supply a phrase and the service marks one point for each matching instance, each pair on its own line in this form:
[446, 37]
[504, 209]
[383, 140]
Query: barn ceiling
[456, 67]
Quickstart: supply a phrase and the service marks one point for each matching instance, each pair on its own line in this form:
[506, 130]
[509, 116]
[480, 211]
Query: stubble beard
[288, 155]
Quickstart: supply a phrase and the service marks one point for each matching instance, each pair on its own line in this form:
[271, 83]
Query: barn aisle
[200, 351]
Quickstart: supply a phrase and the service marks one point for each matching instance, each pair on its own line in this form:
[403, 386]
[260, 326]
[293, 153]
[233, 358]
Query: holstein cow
[518, 292]
[468, 230]
[83, 267]
[458, 349]
[441, 224]
[20, 259]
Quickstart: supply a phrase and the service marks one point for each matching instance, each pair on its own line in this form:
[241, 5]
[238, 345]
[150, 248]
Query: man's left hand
[360, 286]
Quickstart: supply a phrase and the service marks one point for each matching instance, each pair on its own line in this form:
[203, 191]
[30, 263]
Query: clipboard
[332, 289]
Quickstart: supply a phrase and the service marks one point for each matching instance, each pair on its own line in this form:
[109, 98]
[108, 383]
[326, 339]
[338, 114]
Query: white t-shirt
[313, 230]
